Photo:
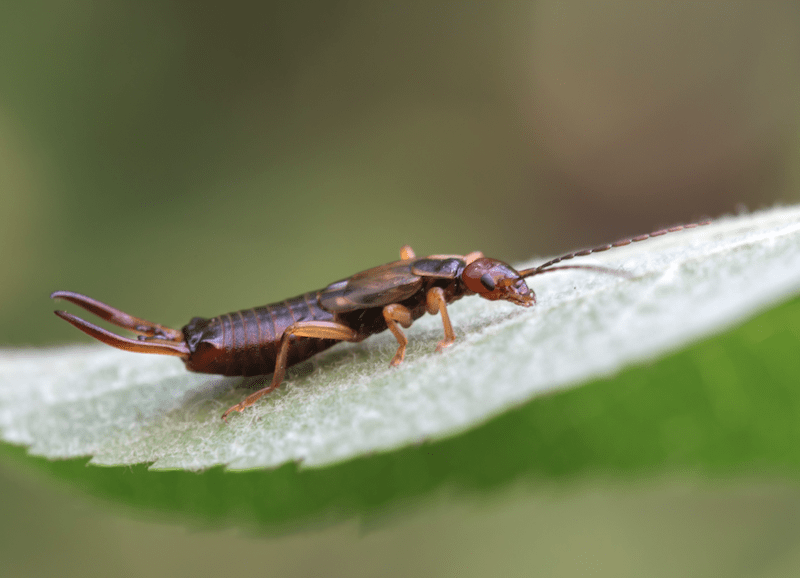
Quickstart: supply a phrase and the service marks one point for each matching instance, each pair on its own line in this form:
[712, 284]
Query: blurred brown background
[189, 158]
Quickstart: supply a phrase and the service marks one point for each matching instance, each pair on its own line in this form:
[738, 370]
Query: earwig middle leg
[394, 314]
[436, 302]
[316, 329]
[407, 253]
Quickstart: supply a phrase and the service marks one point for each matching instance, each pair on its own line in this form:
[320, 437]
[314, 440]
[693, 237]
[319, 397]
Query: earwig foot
[398, 358]
[251, 399]
[443, 344]
[238, 407]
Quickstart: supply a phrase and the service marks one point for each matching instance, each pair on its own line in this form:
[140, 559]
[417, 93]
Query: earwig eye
[488, 282]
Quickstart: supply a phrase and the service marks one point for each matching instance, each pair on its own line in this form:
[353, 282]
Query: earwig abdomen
[247, 342]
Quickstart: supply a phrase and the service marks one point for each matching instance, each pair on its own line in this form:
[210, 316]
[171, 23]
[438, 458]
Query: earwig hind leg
[316, 329]
[394, 314]
[118, 318]
[436, 303]
[407, 253]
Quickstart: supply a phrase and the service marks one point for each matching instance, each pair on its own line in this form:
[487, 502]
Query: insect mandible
[270, 338]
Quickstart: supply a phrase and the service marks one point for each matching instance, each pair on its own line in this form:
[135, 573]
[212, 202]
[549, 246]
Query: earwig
[270, 338]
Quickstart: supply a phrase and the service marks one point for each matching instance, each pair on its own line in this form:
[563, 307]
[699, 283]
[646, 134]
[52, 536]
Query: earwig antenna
[598, 268]
[547, 267]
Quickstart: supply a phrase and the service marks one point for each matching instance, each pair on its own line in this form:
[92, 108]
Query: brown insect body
[247, 342]
[270, 338]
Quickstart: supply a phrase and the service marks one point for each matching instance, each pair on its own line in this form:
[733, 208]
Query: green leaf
[346, 433]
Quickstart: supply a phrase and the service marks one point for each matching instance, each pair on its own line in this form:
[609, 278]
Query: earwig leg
[468, 258]
[159, 346]
[394, 314]
[117, 317]
[407, 253]
[474, 256]
[436, 303]
[316, 329]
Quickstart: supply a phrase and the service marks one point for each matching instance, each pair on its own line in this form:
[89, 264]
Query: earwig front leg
[407, 253]
[474, 256]
[436, 303]
[317, 329]
[394, 314]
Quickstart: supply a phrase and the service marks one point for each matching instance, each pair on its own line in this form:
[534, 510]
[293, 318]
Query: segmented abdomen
[247, 342]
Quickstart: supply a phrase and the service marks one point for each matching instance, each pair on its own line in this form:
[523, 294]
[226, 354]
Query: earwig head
[494, 280]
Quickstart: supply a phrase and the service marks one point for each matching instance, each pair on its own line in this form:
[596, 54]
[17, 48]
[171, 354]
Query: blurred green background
[179, 159]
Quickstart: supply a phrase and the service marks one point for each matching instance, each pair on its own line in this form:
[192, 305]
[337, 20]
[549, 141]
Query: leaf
[347, 433]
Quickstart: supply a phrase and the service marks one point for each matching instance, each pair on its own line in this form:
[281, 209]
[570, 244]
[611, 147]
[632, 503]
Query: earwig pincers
[270, 338]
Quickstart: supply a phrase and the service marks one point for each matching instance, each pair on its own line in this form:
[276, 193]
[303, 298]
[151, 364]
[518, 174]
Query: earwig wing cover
[376, 287]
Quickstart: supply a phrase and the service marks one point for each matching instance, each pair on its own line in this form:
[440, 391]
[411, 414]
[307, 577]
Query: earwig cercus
[270, 338]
